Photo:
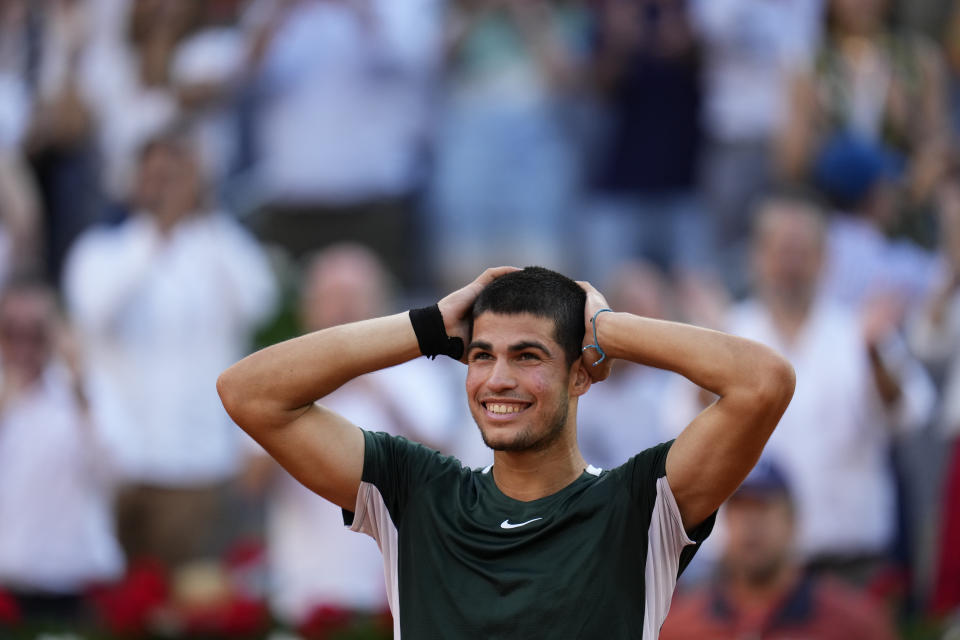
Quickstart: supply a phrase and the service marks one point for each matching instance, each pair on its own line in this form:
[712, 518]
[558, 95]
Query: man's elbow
[777, 381]
[249, 402]
[234, 398]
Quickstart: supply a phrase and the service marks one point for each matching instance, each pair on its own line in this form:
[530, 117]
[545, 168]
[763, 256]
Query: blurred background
[182, 181]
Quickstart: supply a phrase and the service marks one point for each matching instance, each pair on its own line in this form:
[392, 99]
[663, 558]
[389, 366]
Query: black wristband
[432, 335]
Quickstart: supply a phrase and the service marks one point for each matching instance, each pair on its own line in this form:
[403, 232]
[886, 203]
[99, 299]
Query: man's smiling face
[518, 381]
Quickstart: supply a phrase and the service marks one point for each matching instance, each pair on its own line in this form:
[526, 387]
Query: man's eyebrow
[529, 344]
[479, 344]
[519, 346]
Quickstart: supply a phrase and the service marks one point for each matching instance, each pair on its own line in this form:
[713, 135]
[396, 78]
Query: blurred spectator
[16, 55]
[863, 262]
[20, 223]
[872, 84]
[62, 138]
[629, 411]
[56, 526]
[96, 73]
[205, 70]
[858, 388]
[340, 94]
[19, 209]
[926, 16]
[750, 49]
[131, 86]
[761, 591]
[14, 73]
[935, 337]
[506, 171]
[935, 331]
[315, 562]
[951, 42]
[648, 69]
[164, 301]
[68, 62]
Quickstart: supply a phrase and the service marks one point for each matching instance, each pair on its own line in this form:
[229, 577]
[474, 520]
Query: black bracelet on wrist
[432, 335]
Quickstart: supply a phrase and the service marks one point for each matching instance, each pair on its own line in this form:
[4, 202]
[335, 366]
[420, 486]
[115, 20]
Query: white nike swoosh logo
[506, 524]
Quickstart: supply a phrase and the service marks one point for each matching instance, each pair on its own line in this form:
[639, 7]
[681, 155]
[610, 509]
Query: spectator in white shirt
[751, 48]
[857, 388]
[315, 561]
[56, 525]
[506, 173]
[341, 95]
[130, 85]
[164, 301]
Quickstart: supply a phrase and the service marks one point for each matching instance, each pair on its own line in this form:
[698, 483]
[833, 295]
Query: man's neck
[531, 475]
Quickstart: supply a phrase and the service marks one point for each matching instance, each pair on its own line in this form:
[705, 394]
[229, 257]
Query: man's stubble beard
[526, 439]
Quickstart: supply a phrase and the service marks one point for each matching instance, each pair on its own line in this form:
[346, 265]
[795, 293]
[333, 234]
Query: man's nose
[501, 376]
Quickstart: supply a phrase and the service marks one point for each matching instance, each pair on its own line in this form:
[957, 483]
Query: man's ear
[580, 379]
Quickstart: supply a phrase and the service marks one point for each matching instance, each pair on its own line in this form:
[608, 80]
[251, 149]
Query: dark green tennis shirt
[598, 559]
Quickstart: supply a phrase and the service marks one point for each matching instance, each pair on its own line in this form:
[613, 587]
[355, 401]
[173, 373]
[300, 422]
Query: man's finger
[493, 273]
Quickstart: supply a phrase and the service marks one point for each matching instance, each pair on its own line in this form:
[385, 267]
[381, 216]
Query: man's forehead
[512, 327]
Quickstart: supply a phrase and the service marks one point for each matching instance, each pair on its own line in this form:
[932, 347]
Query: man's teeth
[504, 408]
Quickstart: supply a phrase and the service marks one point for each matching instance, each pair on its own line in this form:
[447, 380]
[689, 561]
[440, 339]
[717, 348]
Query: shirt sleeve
[669, 548]
[647, 478]
[397, 468]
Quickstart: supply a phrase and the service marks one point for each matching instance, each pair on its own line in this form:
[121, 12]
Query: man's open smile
[499, 409]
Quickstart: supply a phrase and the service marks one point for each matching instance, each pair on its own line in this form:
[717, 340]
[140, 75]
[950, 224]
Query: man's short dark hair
[542, 293]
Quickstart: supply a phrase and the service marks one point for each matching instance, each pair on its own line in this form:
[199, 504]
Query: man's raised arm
[718, 448]
[271, 393]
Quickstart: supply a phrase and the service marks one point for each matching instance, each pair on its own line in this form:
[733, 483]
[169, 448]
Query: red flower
[128, 606]
[245, 553]
[233, 619]
[9, 611]
[324, 621]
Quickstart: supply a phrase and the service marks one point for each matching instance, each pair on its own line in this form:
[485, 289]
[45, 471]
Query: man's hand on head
[455, 307]
[595, 302]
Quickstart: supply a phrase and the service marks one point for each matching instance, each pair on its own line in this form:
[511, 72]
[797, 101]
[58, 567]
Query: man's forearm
[273, 386]
[716, 361]
[717, 449]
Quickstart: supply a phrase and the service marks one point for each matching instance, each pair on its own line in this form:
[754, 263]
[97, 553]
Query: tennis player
[540, 544]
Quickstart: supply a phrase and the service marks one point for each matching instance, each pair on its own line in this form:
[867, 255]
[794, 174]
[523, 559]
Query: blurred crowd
[183, 180]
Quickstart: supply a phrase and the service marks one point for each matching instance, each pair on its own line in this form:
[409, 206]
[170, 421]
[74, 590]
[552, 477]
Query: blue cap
[766, 479]
[848, 166]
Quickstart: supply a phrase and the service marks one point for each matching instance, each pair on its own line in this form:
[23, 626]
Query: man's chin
[507, 446]
[521, 435]
[500, 443]
[518, 440]
[505, 440]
